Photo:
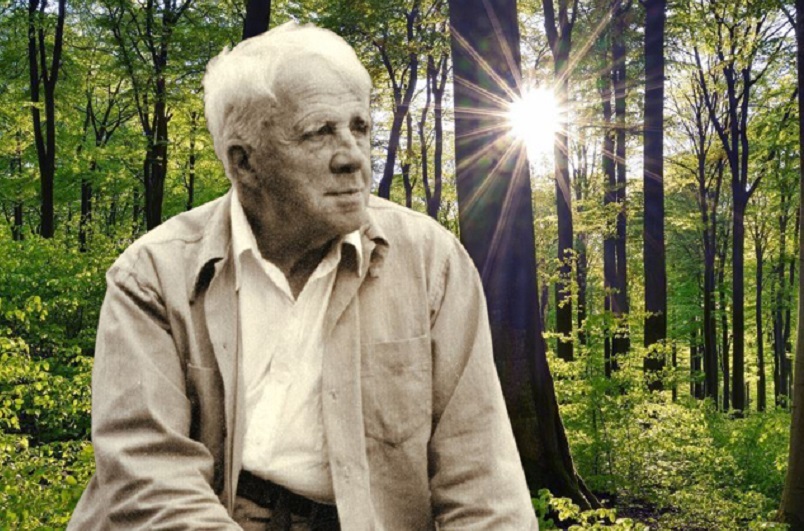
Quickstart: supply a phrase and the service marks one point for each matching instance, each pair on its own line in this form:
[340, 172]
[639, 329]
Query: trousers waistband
[272, 496]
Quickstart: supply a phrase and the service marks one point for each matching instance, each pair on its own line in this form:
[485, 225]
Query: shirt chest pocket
[397, 388]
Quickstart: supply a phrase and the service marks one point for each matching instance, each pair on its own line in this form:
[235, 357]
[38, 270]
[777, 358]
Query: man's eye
[322, 131]
[360, 127]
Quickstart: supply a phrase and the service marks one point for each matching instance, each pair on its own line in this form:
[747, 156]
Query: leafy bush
[50, 296]
[41, 484]
[700, 468]
[572, 518]
[51, 293]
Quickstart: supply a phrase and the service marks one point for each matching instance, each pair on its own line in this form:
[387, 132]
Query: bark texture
[496, 219]
[653, 229]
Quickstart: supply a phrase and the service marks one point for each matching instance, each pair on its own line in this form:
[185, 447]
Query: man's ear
[238, 156]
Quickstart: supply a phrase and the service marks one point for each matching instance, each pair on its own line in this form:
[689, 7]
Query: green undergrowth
[50, 296]
[697, 468]
[562, 513]
[41, 484]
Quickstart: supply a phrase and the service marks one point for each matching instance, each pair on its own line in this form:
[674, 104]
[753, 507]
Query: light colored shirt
[282, 350]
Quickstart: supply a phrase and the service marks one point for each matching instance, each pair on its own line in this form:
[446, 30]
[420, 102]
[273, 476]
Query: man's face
[314, 170]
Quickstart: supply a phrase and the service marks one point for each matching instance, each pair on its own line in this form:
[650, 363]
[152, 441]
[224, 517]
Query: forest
[625, 174]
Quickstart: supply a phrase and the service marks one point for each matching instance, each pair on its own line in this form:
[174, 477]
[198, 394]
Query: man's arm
[150, 472]
[477, 480]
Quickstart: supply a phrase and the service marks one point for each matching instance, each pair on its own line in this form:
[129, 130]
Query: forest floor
[642, 512]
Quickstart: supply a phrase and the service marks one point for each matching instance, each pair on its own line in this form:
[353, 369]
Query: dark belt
[271, 496]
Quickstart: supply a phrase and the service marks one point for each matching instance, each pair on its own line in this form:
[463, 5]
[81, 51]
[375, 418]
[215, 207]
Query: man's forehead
[317, 77]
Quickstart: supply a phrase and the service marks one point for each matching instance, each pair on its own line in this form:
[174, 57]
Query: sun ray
[479, 60]
[487, 94]
[472, 201]
[505, 218]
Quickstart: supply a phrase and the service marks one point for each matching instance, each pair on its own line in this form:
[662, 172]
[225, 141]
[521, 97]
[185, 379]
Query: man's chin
[350, 222]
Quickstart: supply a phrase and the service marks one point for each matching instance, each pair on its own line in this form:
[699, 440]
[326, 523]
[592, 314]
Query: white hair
[235, 78]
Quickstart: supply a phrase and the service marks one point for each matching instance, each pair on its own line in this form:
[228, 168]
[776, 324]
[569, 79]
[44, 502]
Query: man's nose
[348, 157]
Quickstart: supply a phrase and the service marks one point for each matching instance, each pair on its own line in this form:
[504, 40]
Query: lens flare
[534, 120]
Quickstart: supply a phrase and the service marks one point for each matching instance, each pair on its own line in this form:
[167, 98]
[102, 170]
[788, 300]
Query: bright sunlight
[534, 120]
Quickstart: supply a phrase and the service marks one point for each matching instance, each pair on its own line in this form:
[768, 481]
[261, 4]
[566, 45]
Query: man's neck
[297, 255]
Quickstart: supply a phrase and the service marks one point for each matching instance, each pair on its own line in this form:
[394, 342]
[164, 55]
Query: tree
[45, 74]
[558, 27]
[144, 34]
[759, 231]
[612, 82]
[783, 274]
[705, 166]
[583, 169]
[776, 158]
[436, 85]
[258, 16]
[620, 306]
[653, 179]
[403, 83]
[106, 108]
[496, 217]
[745, 44]
[609, 168]
[792, 510]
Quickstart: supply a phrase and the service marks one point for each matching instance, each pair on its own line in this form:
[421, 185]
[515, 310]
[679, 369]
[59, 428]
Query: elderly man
[298, 354]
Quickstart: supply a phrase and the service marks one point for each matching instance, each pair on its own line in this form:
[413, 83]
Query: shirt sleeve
[476, 476]
[151, 474]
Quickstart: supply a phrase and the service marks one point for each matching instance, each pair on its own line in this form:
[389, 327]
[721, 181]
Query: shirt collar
[244, 241]
[216, 244]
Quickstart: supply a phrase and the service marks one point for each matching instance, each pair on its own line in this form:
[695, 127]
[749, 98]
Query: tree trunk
[16, 168]
[436, 82]
[157, 157]
[620, 342]
[136, 211]
[792, 508]
[405, 166]
[791, 278]
[424, 159]
[740, 201]
[85, 223]
[696, 388]
[609, 198]
[674, 361]
[258, 15]
[779, 389]
[191, 160]
[191, 177]
[494, 199]
[724, 336]
[653, 179]
[559, 37]
[111, 220]
[16, 229]
[710, 364]
[760, 337]
[403, 94]
[44, 75]
[581, 186]
[439, 86]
